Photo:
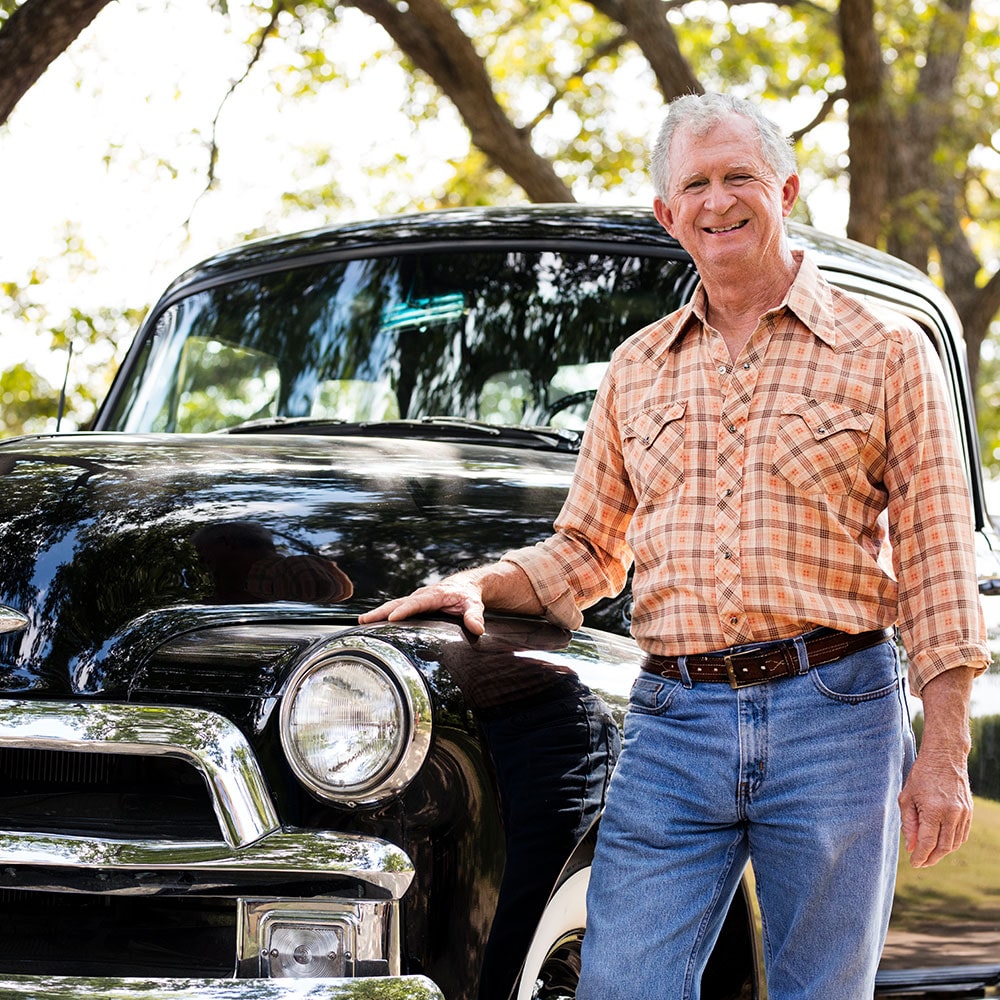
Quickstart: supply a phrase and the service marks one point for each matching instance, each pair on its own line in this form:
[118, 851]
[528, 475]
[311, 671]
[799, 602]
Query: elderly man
[756, 454]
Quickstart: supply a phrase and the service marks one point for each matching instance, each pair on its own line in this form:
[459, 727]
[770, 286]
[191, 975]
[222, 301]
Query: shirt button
[723, 369]
[727, 555]
[734, 620]
[732, 428]
[727, 493]
[746, 366]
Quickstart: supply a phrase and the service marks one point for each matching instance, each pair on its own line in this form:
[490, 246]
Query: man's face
[725, 206]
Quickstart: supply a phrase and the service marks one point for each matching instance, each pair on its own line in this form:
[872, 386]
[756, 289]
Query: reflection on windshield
[502, 336]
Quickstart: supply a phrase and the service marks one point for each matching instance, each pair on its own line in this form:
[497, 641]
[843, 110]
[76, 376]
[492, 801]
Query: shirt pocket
[819, 443]
[653, 449]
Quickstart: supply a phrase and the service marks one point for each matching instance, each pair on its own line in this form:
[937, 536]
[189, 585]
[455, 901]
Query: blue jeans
[799, 777]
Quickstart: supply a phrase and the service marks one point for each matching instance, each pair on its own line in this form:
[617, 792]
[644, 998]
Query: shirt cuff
[549, 583]
[929, 663]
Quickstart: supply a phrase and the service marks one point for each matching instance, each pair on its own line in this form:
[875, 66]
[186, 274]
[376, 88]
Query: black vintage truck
[214, 783]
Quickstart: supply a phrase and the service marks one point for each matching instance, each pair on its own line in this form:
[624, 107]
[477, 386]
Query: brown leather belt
[758, 663]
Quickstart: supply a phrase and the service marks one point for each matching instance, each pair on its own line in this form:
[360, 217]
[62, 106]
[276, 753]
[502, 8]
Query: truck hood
[98, 531]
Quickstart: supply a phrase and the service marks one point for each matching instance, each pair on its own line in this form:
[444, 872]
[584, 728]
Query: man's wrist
[503, 586]
[946, 700]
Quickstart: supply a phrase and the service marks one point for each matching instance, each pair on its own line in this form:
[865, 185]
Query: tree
[911, 87]
[29, 400]
[919, 179]
[33, 34]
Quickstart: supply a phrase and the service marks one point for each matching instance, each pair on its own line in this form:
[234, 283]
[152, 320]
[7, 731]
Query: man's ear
[663, 214]
[789, 194]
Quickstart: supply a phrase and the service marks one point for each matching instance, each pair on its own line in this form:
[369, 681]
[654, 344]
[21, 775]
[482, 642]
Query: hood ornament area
[11, 620]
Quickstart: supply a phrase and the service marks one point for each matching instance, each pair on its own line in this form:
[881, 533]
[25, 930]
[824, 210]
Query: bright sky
[144, 82]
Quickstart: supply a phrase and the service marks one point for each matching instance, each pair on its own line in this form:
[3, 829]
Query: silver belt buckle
[734, 681]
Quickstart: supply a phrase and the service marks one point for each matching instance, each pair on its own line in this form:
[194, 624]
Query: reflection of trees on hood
[84, 553]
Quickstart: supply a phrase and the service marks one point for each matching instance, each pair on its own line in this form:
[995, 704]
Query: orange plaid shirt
[761, 498]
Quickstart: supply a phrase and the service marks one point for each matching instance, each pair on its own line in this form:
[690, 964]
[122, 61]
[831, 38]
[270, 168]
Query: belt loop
[800, 651]
[682, 669]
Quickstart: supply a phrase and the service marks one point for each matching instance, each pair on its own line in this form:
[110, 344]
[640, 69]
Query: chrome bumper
[252, 850]
[57, 988]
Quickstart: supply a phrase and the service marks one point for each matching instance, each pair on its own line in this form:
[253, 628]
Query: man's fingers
[464, 603]
[382, 612]
[933, 831]
[933, 845]
[911, 827]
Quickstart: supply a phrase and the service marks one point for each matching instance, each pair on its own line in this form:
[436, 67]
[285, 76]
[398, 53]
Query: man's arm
[501, 586]
[936, 801]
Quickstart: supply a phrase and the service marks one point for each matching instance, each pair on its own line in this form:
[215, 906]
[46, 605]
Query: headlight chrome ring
[356, 721]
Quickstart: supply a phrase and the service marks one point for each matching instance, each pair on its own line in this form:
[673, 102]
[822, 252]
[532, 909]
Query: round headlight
[355, 721]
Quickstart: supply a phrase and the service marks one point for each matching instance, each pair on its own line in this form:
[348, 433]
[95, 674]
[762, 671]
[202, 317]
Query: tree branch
[31, 39]
[807, 5]
[831, 98]
[427, 33]
[213, 143]
[611, 45]
[258, 49]
[645, 22]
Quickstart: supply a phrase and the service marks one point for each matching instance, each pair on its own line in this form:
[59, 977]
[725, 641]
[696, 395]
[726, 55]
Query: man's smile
[725, 229]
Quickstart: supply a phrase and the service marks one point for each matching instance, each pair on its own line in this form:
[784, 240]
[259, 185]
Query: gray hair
[701, 113]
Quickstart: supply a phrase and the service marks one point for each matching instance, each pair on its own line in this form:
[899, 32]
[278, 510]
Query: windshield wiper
[460, 428]
[437, 428]
[262, 425]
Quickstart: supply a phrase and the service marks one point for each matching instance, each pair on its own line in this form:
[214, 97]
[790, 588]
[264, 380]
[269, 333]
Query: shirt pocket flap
[645, 427]
[824, 417]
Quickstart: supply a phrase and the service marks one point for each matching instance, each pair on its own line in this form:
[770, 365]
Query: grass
[962, 889]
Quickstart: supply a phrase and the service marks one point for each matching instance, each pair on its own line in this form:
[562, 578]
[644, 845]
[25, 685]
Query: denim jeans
[799, 777]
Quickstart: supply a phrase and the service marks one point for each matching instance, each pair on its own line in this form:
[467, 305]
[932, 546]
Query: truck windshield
[501, 336]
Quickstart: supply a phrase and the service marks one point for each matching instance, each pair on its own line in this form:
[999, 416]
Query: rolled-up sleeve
[930, 520]
[587, 557]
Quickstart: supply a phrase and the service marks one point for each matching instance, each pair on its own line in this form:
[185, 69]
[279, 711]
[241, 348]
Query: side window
[354, 399]
[571, 394]
[505, 397]
[219, 385]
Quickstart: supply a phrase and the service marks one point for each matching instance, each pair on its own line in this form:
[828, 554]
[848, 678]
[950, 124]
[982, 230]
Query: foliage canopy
[890, 104]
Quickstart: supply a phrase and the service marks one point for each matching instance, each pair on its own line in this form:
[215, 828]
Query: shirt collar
[809, 297]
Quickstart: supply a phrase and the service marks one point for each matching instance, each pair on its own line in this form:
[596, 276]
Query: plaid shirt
[815, 481]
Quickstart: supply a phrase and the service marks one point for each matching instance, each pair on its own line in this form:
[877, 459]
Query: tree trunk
[645, 22]
[960, 268]
[977, 307]
[926, 196]
[431, 38]
[32, 37]
[868, 122]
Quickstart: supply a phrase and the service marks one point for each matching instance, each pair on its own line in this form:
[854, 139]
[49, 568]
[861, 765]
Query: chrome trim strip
[207, 741]
[375, 988]
[314, 852]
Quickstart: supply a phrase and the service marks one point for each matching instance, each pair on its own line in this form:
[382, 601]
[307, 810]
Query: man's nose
[718, 197]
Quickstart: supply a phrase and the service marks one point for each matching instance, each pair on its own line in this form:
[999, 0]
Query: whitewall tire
[553, 958]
